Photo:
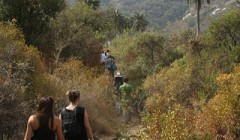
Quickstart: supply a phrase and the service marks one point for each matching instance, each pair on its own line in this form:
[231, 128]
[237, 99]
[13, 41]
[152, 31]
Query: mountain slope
[161, 12]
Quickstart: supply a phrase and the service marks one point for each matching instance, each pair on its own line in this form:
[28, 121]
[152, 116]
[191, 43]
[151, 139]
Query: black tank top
[80, 117]
[43, 134]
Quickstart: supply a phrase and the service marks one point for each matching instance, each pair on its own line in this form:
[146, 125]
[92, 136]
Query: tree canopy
[32, 16]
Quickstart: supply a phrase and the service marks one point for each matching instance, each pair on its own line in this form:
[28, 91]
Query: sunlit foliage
[219, 119]
[96, 92]
[20, 72]
[174, 124]
[210, 101]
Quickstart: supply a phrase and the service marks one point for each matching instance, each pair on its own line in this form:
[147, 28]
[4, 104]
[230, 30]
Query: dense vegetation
[184, 88]
[158, 13]
[161, 13]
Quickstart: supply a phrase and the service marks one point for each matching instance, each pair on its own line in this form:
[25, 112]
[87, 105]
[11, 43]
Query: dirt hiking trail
[128, 131]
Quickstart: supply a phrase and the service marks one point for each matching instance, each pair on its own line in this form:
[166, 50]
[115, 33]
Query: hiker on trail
[110, 65]
[118, 81]
[126, 99]
[107, 53]
[75, 120]
[43, 124]
[103, 58]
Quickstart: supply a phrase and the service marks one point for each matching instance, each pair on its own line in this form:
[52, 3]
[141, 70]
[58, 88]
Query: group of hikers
[123, 93]
[72, 123]
[108, 62]
[123, 97]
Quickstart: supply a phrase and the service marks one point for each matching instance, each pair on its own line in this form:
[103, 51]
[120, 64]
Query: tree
[31, 15]
[121, 22]
[143, 54]
[94, 3]
[20, 69]
[139, 22]
[153, 53]
[224, 32]
[226, 29]
[80, 32]
[198, 4]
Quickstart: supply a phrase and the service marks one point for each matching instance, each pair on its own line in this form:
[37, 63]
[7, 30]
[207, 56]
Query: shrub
[20, 69]
[96, 92]
[140, 55]
[167, 93]
[174, 124]
[220, 117]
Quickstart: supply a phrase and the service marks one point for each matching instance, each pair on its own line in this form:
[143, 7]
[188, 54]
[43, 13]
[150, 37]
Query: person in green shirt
[126, 91]
[118, 81]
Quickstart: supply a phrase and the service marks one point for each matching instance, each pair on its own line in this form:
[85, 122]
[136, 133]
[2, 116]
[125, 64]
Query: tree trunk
[198, 19]
[58, 56]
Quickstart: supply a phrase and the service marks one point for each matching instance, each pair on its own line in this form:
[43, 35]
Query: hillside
[161, 12]
[157, 12]
[70, 1]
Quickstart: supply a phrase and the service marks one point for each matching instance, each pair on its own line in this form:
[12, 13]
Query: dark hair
[125, 79]
[45, 112]
[73, 95]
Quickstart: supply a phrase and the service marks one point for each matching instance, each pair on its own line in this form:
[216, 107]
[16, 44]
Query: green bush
[143, 54]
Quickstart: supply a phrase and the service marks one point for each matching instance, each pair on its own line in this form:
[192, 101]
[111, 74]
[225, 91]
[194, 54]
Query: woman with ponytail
[44, 125]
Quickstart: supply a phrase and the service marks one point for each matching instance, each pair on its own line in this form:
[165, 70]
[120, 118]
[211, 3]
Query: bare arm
[59, 129]
[29, 130]
[87, 125]
[60, 118]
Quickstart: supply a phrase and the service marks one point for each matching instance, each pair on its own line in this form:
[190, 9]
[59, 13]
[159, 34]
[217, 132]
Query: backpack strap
[75, 111]
[63, 111]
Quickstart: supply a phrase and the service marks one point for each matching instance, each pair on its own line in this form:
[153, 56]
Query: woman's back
[80, 116]
[43, 125]
[44, 134]
[41, 132]
[78, 113]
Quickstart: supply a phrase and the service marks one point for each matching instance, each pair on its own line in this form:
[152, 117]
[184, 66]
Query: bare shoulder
[32, 118]
[33, 122]
[57, 120]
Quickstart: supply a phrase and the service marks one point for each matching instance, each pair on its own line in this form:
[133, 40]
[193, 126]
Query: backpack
[70, 124]
[118, 81]
[110, 64]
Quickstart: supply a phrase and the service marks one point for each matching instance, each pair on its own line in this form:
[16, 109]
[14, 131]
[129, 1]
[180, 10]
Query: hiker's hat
[118, 74]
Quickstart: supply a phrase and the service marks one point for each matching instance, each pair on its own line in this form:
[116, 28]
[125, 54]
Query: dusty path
[125, 131]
